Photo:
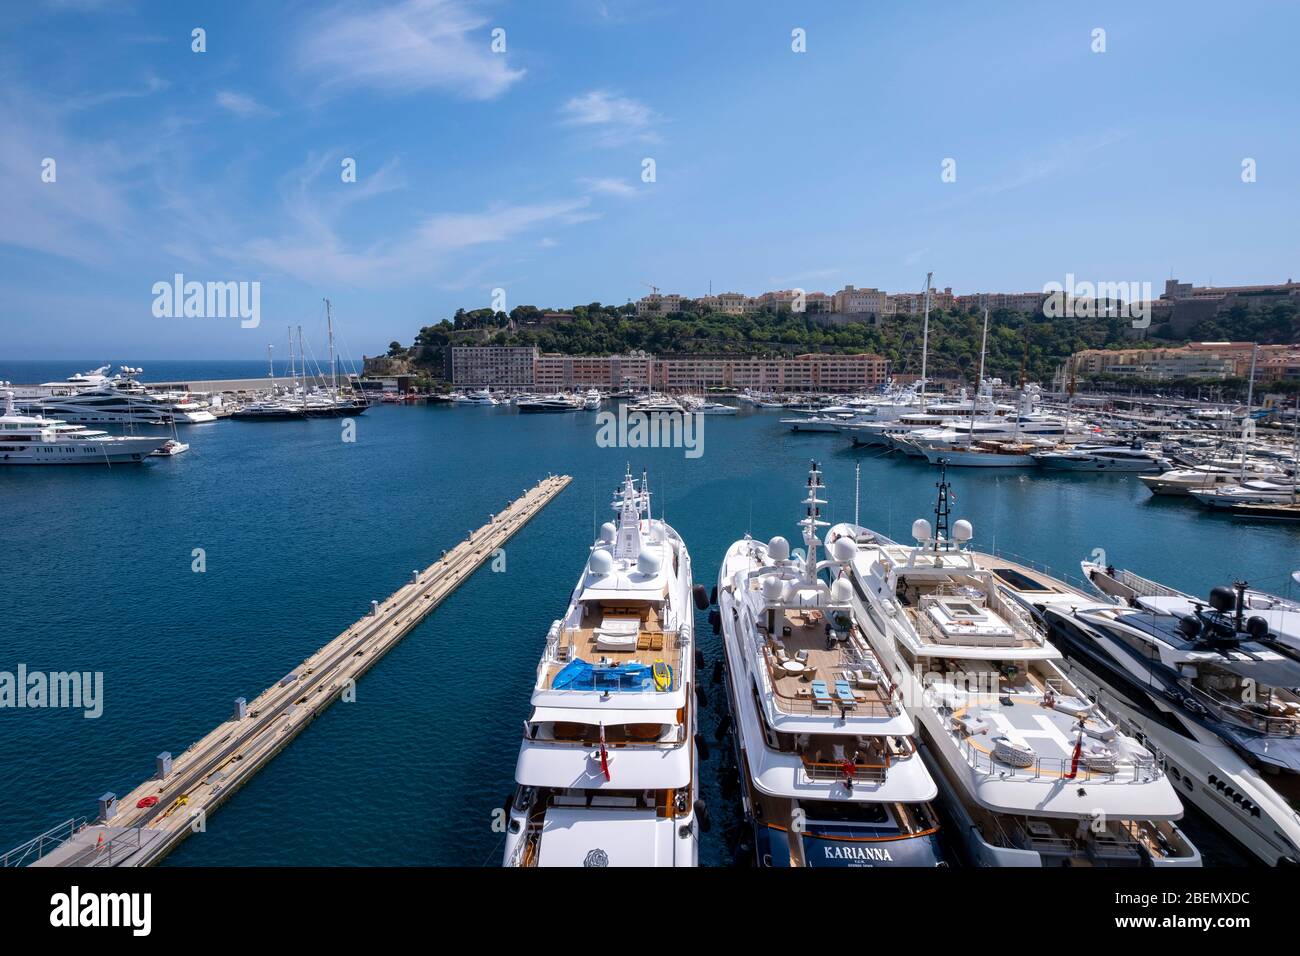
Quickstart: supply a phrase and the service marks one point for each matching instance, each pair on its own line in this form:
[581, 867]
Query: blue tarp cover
[581, 675]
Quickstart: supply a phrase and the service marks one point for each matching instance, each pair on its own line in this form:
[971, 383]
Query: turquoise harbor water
[301, 530]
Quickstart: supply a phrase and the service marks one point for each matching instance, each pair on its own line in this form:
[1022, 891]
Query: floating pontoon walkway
[183, 792]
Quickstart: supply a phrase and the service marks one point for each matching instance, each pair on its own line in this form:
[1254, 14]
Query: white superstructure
[36, 440]
[607, 770]
[94, 398]
[829, 773]
[1034, 772]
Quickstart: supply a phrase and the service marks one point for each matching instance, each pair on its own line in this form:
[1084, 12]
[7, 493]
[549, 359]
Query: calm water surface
[301, 530]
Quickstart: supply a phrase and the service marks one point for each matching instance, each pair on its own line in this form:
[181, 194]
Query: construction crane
[654, 289]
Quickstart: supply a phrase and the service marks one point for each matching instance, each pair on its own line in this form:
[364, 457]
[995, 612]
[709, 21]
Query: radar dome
[962, 530]
[779, 549]
[601, 562]
[773, 588]
[841, 591]
[648, 563]
[608, 532]
[921, 529]
[843, 549]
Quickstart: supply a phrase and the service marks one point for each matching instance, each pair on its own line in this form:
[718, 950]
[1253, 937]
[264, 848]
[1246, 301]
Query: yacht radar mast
[812, 520]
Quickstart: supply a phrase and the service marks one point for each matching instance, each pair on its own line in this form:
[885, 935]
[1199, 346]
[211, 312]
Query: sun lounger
[821, 696]
[844, 694]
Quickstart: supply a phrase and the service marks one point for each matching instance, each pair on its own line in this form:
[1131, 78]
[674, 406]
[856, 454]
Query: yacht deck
[606, 640]
[805, 653]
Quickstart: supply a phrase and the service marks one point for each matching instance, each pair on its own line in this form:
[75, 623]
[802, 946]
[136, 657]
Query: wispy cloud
[406, 47]
[242, 105]
[609, 186]
[315, 249]
[613, 119]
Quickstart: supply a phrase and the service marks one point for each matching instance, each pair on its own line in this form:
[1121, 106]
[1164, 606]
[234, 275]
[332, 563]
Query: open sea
[301, 530]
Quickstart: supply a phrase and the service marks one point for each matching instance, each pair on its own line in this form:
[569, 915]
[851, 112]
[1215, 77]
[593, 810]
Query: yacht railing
[1242, 713]
[1055, 768]
[817, 770]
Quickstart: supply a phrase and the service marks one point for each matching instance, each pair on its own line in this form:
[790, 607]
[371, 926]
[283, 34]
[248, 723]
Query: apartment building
[495, 366]
[1195, 360]
[860, 301]
[1027, 302]
[556, 373]
[661, 304]
[814, 372]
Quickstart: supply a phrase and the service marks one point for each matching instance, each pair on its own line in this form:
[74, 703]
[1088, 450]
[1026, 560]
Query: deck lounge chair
[821, 696]
[844, 694]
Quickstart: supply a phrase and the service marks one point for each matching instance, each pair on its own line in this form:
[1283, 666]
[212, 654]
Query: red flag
[1074, 761]
[604, 757]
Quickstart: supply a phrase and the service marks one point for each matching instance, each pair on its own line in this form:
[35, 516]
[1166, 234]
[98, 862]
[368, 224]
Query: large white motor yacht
[35, 440]
[1034, 773]
[607, 770]
[93, 397]
[829, 773]
[1212, 685]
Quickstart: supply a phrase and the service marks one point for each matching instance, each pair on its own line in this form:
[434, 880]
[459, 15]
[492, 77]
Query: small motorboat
[169, 448]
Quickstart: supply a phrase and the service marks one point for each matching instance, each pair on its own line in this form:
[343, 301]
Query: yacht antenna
[941, 507]
[270, 361]
[979, 383]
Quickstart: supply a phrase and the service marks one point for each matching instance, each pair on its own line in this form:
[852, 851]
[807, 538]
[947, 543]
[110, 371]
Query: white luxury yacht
[607, 770]
[1215, 686]
[829, 772]
[655, 404]
[1033, 771]
[93, 397]
[35, 440]
[1183, 481]
[482, 396]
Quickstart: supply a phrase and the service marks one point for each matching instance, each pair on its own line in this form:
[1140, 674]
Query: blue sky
[478, 170]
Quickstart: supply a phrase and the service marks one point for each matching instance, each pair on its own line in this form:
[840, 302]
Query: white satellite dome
[841, 591]
[962, 530]
[601, 562]
[921, 529]
[608, 532]
[648, 563]
[779, 549]
[843, 549]
[773, 588]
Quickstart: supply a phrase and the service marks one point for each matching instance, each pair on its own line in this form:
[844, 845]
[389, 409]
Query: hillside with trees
[1035, 343]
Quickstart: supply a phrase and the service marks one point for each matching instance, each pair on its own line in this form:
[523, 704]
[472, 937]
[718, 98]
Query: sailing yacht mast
[1250, 400]
[925, 337]
[329, 322]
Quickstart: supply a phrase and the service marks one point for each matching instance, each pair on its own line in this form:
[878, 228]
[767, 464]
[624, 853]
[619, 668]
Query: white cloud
[406, 47]
[612, 118]
[315, 251]
[610, 186]
[242, 105]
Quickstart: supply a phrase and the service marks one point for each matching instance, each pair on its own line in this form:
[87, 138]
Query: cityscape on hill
[1187, 338]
